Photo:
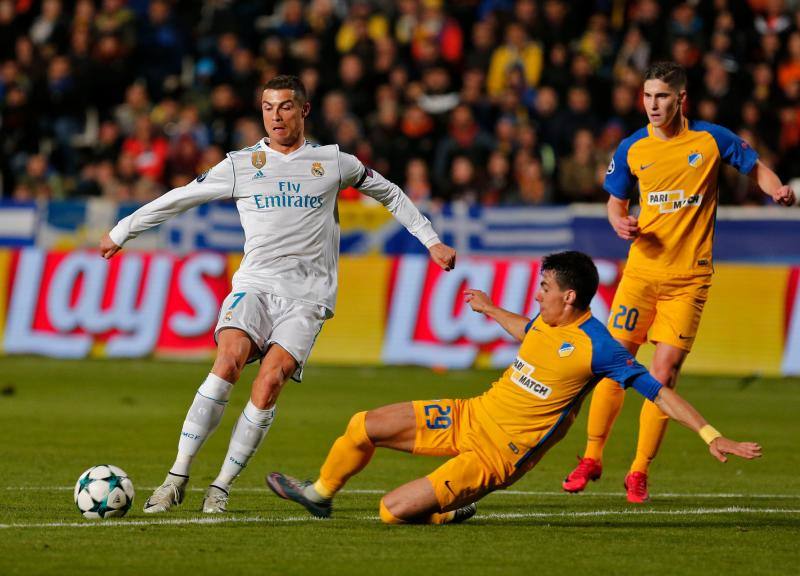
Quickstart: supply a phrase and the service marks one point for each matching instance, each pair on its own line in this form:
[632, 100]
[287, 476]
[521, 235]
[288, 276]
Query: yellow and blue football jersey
[677, 192]
[555, 368]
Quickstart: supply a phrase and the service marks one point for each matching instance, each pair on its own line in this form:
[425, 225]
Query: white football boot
[215, 501]
[169, 494]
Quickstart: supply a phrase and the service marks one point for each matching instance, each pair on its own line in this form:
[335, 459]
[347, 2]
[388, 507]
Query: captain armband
[708, 433]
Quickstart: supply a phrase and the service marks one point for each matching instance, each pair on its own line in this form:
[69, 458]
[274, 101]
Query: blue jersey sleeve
[611, 360]
[529, 324]
[619, 181]
[733, 149]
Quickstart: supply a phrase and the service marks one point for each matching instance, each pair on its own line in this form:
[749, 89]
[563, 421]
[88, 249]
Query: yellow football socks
[606, 403]
[347, 457]
[652, 427]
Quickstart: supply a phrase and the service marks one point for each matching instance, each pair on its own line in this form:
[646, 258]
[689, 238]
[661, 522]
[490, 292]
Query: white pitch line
[490, 516]
[247, 490]
[114, 523]
[595, 513]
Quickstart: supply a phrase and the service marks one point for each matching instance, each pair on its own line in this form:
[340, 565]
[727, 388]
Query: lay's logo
[695, 159]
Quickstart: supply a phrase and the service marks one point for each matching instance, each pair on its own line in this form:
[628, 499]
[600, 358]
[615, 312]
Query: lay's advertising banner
[390, 310]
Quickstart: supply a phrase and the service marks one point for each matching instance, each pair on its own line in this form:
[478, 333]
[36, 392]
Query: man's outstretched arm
[512, 323]
[372, 184]
[215, 184]
[771, 184]
[674, 406]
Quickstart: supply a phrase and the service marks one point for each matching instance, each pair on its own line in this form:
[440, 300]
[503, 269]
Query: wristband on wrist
[708, 433]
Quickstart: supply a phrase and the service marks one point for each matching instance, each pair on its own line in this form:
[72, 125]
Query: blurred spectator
[148, 150]
[49, 30]
[531, 185]
[773, 19]
[39, 182]
[557, 72]
[417, 183]
[462, 183]
[499, 182]
[480, 53]
[789, 70]
[558, 25]
[517, 50]
[464, 138]
[634, 52]
[354, 82]
[438, 97]
[9, 30]
[438, 29]
[160, 48]
[116, 20]
[137, 103]
[577, 173]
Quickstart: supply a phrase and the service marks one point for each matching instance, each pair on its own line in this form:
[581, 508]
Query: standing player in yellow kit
[665, 284]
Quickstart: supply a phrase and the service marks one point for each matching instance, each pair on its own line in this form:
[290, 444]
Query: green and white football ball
[104, 491]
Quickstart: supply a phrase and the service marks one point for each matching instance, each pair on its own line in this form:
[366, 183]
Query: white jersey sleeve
[214, 184]
[371, 183]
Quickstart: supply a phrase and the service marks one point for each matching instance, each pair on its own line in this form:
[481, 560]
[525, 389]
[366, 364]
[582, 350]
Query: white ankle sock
[249, 432]
[201, 420]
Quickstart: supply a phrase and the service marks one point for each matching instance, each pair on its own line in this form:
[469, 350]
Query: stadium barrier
[743, 234]
[74, 304]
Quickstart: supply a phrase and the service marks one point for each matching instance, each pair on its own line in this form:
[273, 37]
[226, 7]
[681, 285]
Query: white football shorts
[269, 319]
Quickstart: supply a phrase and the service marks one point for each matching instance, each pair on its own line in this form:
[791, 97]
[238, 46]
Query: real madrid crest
[317, 169]
[259, 159]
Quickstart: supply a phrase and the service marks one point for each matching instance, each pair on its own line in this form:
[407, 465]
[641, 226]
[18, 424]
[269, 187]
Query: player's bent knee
[227, 366]
[357, 430]
[386, 515]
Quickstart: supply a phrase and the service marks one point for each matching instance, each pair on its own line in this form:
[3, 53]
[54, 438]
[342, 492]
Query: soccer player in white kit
[285, 190]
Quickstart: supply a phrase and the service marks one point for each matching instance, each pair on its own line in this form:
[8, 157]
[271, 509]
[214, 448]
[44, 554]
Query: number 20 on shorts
[626, 318]
[438, 417]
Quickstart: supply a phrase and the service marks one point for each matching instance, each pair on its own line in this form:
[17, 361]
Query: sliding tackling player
[495, 438]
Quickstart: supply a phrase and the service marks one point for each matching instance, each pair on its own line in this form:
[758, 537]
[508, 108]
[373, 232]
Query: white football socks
[202, 419]
[249, 432]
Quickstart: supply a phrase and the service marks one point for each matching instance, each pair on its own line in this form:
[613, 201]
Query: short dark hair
[574, 271]
[670, 73]
[288, 82]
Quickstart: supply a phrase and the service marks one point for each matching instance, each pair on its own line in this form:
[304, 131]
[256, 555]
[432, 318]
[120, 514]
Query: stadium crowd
[486, 101]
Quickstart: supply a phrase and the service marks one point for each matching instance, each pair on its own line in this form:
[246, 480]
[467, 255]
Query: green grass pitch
[57, 418]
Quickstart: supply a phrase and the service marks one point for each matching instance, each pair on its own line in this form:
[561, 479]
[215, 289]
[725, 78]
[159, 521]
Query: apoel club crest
[566, 349]
[695, 159]
[317, 169]
[259, 159]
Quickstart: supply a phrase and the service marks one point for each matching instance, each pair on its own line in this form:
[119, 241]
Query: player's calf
[453, 517]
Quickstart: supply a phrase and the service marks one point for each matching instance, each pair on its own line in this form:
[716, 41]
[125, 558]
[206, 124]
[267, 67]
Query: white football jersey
[287, 206]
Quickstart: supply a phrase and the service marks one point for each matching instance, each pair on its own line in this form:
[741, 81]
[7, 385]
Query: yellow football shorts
[484, 456]
[659, 309]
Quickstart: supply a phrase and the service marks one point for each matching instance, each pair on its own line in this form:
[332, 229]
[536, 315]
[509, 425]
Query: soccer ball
[104, 491]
